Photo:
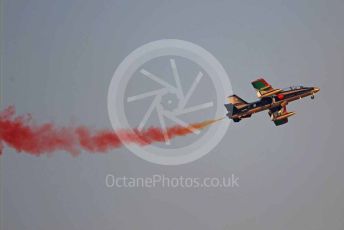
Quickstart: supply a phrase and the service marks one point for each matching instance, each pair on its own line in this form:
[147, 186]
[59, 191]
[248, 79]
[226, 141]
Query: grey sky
[58, 60]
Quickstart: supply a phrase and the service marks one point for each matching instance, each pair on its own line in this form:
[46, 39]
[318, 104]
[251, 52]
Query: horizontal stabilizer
[232, 109]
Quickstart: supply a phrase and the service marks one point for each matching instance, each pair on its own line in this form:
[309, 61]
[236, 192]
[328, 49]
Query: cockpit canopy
[293, 87]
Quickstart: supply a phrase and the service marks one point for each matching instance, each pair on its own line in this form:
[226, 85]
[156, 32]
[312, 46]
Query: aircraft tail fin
[235, 104]
[237, 101]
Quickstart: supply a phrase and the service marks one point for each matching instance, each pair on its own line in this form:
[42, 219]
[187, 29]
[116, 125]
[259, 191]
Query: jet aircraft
[274, 100]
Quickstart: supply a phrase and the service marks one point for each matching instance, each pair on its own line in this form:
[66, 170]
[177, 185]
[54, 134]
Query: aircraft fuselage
[274, 102]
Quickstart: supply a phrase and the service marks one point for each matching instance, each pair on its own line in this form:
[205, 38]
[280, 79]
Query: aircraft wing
[281, 122]
[263, 88]
[279, 115]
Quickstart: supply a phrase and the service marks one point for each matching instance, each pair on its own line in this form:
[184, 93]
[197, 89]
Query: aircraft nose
[316, 89]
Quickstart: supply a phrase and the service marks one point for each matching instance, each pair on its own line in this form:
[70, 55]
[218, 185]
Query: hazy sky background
[58, 60]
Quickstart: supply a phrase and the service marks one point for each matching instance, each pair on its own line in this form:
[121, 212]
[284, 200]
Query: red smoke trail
[20, 133]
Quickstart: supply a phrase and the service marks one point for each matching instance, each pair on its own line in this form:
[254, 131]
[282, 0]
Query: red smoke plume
[22, 134]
